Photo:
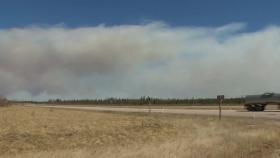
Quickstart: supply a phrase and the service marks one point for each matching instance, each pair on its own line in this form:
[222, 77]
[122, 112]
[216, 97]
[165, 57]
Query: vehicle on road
[259, 102]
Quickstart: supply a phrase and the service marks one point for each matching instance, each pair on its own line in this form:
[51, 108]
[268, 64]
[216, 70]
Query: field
[54, 133]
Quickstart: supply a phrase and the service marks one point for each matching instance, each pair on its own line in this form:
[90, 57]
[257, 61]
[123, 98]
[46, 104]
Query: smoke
[135, 60]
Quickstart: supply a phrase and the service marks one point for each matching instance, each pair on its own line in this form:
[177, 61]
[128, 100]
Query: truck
[259, 102]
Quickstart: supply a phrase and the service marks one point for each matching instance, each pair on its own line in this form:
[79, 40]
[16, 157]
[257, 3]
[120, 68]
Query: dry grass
[55, 133]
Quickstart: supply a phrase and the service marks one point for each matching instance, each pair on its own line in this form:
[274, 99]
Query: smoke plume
[138, 60]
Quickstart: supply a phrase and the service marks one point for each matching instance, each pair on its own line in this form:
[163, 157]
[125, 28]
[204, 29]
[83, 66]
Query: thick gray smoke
[136, 60]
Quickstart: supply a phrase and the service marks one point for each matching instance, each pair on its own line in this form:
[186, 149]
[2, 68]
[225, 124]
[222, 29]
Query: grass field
[55, 133]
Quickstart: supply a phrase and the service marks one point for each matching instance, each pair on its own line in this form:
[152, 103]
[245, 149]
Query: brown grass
[55, 133]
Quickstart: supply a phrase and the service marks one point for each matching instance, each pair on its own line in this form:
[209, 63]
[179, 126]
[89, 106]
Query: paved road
[237, 113]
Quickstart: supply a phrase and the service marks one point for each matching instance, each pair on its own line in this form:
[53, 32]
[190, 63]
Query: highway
[274, 114]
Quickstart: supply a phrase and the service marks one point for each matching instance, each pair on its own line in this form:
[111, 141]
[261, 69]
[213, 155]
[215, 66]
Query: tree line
[146, 100]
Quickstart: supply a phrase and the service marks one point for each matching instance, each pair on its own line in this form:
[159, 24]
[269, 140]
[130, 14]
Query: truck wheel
[249, 107]
[260, 107]
[255, 107]
[263, 107]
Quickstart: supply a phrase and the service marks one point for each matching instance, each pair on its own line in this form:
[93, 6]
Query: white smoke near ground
[138, 60]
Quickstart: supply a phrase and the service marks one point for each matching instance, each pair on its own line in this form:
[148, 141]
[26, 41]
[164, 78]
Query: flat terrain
[57, 133]
[234, 111]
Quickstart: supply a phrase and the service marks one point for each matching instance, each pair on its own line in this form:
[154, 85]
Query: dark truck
[259, 102]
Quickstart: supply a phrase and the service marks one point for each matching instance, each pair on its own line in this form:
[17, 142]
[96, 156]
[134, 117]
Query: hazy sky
[99, 49]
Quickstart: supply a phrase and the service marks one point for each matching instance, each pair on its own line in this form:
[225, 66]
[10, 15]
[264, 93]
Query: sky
[88, 49]
[76, 13]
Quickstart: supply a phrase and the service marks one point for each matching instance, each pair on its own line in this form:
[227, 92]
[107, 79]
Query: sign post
[220, 99]
[149, 104]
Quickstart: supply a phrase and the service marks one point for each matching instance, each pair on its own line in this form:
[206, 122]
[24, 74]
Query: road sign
[220, 98]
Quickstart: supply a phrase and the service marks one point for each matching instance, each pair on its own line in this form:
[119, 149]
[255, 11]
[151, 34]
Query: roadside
[270, 113]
